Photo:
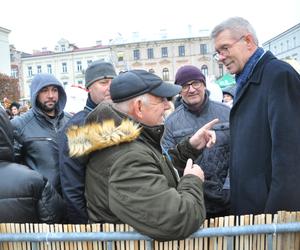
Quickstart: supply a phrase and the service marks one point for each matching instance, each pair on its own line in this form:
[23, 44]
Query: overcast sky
[41, 23]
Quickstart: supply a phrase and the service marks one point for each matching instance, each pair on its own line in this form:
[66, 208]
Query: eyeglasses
[195, 85]
[224, 51]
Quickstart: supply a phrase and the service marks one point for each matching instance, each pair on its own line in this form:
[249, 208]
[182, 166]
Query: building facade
[4, 52]
[162, 57]
[285, 45]
[67, 63]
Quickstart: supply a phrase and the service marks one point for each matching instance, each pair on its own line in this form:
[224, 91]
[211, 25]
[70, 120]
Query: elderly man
[98, 77]
[128, 180]
[36, 131]
[264, 122]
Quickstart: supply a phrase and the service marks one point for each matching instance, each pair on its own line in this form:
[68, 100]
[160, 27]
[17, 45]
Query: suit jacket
[265, 143]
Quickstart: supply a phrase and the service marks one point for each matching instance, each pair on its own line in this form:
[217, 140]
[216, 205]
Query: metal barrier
[110, 237]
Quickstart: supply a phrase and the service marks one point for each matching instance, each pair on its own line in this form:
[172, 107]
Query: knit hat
[99, 70]
[188, 73]
[230, 90]
[134, 83]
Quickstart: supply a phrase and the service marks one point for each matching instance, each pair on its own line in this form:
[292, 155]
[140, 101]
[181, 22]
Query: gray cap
[99, 70]
[134, 83]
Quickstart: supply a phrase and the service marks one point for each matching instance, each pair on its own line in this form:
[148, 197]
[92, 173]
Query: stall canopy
[226, 80]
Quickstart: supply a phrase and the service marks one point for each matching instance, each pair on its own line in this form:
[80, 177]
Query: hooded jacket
[36, 134]
[129, 181]
[25, 196]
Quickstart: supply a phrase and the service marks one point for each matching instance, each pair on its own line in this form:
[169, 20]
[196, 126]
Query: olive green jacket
[128, 180]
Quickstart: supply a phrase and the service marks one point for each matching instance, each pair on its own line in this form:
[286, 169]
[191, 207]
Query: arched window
[151, 71]
[165, 74]
[204, 70]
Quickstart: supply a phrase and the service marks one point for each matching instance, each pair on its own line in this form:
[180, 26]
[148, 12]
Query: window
[181, 50]
[165, 74]
[221, 70]
[294, 42]
[89, 62]
[151, 71]
[203, 49]
[14, 73]
[287, 44]
[164, 52]
[49, 68]
[64, 68]
[136, 54]
[29, 71]
[80, 83]
[39, 69]
[63, 48]
[204, 70]
[79, 66]
[150, 53]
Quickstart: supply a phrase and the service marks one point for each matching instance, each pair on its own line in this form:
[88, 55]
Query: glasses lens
[216, 56]
[196, 85]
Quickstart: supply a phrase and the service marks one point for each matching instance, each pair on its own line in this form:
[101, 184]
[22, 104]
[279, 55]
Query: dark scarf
[90, 105]
[243, 77]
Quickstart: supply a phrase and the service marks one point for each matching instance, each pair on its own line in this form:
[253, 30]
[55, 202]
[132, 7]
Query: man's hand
[204, 136]
[194, 169]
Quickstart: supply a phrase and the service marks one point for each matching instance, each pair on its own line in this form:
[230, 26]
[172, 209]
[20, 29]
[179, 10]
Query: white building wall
[286, 45]
[158, 63]
[72, 76]
[4, 51]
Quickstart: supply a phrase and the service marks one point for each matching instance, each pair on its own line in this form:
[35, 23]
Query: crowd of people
[124, 159]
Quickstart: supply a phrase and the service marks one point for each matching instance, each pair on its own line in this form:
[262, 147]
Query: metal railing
[229, 232]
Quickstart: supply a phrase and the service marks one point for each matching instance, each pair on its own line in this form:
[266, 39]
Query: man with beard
[36, 131]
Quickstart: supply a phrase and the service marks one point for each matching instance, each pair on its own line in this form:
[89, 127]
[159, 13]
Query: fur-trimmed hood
[104, 128]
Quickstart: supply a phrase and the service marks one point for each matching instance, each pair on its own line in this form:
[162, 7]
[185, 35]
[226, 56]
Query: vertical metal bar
[149, 244]
[34, 245]
[270, 241]
[229, 242]
[109, 245]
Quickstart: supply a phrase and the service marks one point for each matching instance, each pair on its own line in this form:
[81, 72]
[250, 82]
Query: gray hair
[125, 106]
[238, 27]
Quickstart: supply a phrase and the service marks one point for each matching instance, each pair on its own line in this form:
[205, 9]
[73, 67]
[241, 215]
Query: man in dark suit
[264, 122]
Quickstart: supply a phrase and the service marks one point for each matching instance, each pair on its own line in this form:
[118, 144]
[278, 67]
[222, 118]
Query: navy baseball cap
[133, 83]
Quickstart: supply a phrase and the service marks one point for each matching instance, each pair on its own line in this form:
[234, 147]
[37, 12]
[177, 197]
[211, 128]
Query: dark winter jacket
[25, 196]
[72, 171]
[128, 180]
[183, 123]
[265, 142]
[36, 134]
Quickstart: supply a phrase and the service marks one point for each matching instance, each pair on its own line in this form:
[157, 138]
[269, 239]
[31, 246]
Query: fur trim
[86, 139]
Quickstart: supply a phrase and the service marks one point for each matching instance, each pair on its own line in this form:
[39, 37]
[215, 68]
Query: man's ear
[137, 109]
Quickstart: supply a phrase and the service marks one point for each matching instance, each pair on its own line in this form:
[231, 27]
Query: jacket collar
[256, 76]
